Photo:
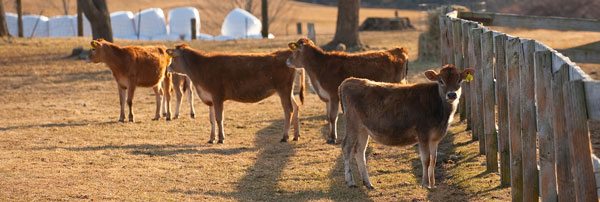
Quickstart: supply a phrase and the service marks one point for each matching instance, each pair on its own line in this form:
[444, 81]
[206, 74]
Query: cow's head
[296, 60]
[449, 80]
[177, 63]
[99, 50]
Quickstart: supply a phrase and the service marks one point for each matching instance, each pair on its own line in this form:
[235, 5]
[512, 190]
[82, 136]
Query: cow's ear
[95, 44]
[467, 74]
[172, 52]
[431, 75]
[293, 45]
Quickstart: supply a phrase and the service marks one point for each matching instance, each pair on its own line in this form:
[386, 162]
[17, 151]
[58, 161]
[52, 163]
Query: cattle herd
[376, 100]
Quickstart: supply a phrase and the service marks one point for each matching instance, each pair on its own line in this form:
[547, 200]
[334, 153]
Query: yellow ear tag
[469, 77]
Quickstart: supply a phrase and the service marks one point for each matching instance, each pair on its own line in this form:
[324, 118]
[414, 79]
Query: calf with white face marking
[327, 70]
[399, 115]
[242, 77]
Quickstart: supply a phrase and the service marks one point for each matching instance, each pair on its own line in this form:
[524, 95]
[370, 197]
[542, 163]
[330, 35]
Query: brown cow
[244, 78]
[399, 115]
[133, 66]
[180, 84]
[327, 70]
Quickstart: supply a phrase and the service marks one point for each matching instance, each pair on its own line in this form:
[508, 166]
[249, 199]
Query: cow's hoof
[352, 185]
[220, 142]
[131, 120]
[121, 120]
[211, 142]
[175, 117]
[155, 119]
[168, 118]
[331, 141]
[369, 187]
[193, 116]
[296, 139]
[283, 140]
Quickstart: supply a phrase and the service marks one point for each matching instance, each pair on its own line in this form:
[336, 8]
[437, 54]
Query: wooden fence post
[19, 19]
[311, 33]
[502, 103]
[528, 121]
[443, 39]
[564, 178]
[489, 112]
[449, 41]
[458, 61]
[476, 89]
[193, 23]
[475, 63]
[299, 28]
[543, 86]
[514, 51]
[579, 140]
[465, 27]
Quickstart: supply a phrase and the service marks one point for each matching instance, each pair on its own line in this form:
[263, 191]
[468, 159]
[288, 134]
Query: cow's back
[394, 113]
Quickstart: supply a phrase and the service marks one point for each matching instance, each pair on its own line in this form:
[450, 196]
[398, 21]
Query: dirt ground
[59, 140]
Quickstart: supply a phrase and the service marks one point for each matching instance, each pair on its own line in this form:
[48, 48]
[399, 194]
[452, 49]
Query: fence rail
[529, 105]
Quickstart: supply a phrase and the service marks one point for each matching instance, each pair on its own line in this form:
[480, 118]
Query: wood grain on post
[502, 104]
[476, 88]
[579, 140]
[449, 41]
[443, 39]
[488, 94]
[564, 178]
[543, 91]
[528, 121]
[466, 27]
[514, 51]
[458, 61]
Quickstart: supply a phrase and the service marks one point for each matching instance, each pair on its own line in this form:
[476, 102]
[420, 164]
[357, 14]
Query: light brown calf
[180, 84]
[245, 78]
[399, 115]
[133, 66]
[327, 70]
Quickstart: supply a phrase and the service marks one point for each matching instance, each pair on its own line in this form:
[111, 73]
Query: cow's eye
[441, 82]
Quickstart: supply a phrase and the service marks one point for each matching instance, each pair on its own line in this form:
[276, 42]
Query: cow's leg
[179, 97]
[122, 97]
[361, 160]
[190, 98]
[218, 105]
[158, 93]
[295, 119]
[212, 124]
[130, 92]
[349, 149]
[332, 111]
[286, 104]
[168, 95]
[431, 170]
[425, 159]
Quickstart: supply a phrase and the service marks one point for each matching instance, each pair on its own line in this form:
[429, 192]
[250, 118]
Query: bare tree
[346, 29]
[3, 27]
[97, 13]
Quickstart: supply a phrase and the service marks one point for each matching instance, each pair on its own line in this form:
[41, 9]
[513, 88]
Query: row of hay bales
[149, 24]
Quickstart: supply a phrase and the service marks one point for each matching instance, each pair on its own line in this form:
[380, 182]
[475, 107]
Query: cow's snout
[451, 95]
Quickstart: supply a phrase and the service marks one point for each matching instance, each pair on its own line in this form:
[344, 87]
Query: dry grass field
[59, 140]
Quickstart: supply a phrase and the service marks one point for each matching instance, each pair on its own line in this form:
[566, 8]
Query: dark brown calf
[399, 115]
[239, 77]
[327, 70]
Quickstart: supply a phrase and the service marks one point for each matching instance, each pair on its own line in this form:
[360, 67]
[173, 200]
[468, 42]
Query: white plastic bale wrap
[180, 23]
[240, 24]
[122, 25]
[153, 24]
[11, 22]
[62, 26]
[37, 22]
[87, 27]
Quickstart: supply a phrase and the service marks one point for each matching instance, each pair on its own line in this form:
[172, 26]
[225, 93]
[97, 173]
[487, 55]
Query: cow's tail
[341, 95]
[302, 85]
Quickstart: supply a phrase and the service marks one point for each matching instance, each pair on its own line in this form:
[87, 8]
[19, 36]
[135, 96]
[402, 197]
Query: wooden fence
[529, 108]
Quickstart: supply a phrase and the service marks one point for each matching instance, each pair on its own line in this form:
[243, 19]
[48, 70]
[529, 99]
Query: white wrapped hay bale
[36, 24]
[151, 23]
[240, 24]
[87, 27]
[11, 22]
[62, 26]
[180, 26]
[122, 25]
